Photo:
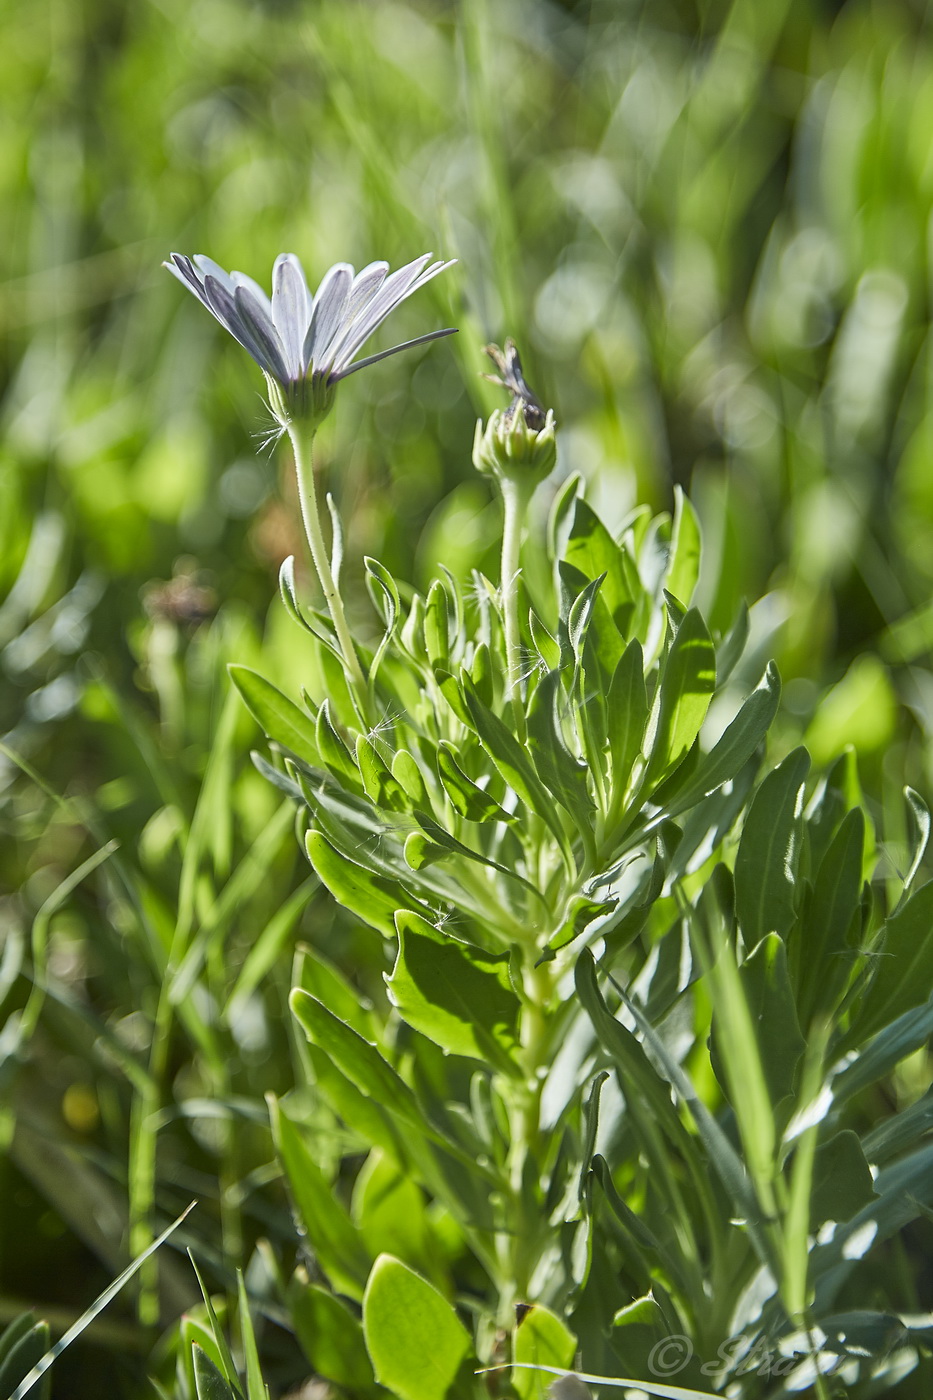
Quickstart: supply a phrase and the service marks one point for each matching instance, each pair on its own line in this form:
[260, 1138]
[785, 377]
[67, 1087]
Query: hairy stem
[311, 519]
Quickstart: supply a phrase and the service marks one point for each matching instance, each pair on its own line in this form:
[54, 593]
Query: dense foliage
[707, 227]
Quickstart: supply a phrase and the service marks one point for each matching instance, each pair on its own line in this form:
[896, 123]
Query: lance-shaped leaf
[379, 781]
[280, 718]
[437, 625]
[357, 1058]
[683, 568]
[562, 772]
[513, 763]
[593, 551]
[540, 1338]
[459, 996]
[368, 896]
[627, 715]
[335, 1241]
[472, 802]
[821, 957]
[331, 1337]
[766, 863]
[904, 969]
[686, 685]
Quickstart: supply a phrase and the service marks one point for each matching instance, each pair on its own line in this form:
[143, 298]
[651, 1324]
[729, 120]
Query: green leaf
[379, 782]
[331, 1234]
[405, 770]
[766, 863]
[437, 625]
[279, 718]
[209, 1383]
[904, 972]
[317, 975]
[353, 886]
[333, 751]
[563, 773]
[255, 1385]
[472, 802]
[683, 570]
[414, 1338]
[390, 1211]
[331, 1337]
[356, 1057]
[685, 687]
[627, 715]
[770, 999]
[540, 1339]
[842, 1180]
[457, 995]
[592, 550]
[736, 745]
[514, 765]
[821, 956]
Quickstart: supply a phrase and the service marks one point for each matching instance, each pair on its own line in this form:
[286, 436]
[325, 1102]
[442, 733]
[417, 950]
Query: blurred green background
[707, 225]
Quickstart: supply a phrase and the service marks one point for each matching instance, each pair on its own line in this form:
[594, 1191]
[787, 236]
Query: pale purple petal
[291, 309]
[258, 321]
[328, 310]
[181, 267]
[392, 295]
[240, 279]
[223, 306]
[207, 267]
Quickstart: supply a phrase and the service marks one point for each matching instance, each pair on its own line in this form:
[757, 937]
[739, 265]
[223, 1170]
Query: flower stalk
[301, 436]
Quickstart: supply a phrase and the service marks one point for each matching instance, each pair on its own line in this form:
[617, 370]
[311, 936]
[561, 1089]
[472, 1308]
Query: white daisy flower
[306, 344]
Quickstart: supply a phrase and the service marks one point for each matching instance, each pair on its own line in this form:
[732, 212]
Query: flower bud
[509, 449]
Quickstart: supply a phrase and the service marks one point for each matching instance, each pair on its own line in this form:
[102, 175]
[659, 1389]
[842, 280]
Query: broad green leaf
[904, 972]
[737, 743]
[540, 1338]
[321, 978]
[334, 753]
[278, 717]
[627, 715]
[560, 770]
[686, 685]
[770, 1000]
[684, 567]
[892, 1136]
[331, 1337]
[437, 625]
[592, 550]
[389, 1210]
[766, 863]
[457, 995]
[414, 1338]
[842, 1181]
[353, 886]
[331, 1234]
[821, 956]
[594, 639]
[472, 802]
[379, 782]
[209, 1383]
[356, 1057]
[405, 770]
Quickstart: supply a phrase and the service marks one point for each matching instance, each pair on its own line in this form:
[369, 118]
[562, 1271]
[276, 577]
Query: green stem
[311, 519]
[524, 1098]
[514, 499]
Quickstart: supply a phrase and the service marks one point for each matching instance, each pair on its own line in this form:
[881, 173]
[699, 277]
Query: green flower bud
[508, 449]
[518, 444]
